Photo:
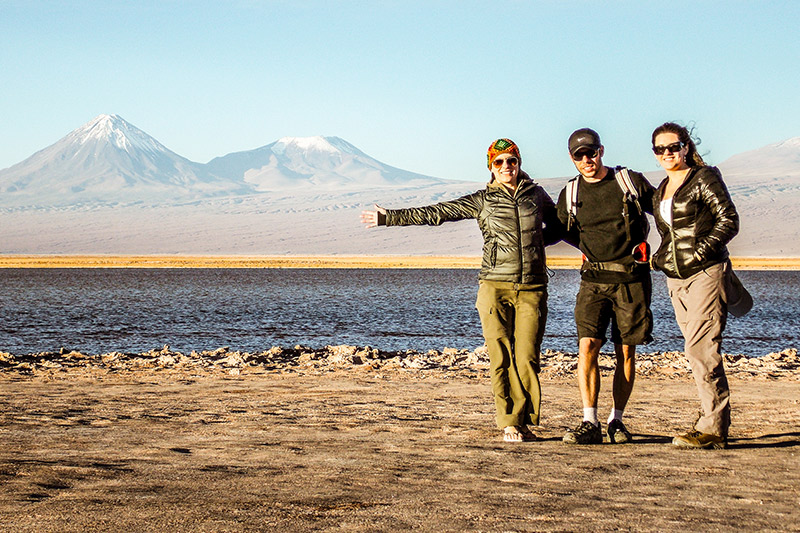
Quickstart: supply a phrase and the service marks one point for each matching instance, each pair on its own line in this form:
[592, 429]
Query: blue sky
[424, 86]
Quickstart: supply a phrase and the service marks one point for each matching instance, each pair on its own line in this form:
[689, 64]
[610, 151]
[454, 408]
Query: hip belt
[609, 266]
[640, 255]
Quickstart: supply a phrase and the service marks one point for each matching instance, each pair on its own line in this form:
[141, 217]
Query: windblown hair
[684, 134]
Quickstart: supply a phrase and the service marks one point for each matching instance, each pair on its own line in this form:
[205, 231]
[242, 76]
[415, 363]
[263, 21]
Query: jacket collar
[523, 182]
[690, 176]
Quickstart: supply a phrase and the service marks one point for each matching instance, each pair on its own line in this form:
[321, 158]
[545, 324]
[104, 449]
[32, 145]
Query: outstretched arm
[431, 215]
[374, 218]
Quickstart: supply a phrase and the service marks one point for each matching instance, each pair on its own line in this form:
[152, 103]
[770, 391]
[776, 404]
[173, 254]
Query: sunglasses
[591, 154]
[512, 162]
[672, 148]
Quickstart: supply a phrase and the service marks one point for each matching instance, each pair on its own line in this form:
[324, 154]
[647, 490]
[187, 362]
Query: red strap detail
[641, 252]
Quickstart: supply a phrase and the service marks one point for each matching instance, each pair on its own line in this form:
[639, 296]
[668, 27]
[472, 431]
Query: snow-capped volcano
[108, 160]
[114, 129]
[320, 162]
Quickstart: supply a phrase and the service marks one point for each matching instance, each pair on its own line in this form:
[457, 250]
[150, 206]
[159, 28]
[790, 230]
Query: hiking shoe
[617, 432]
[695, 439]
[586, 433]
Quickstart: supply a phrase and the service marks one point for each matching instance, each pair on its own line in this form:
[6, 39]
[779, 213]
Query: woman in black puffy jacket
[696, 219]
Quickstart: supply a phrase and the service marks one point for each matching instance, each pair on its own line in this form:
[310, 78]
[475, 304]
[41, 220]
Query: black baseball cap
[584, 138]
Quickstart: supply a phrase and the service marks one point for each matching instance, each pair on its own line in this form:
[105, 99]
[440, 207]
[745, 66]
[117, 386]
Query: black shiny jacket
[704, 220]
[515, 228]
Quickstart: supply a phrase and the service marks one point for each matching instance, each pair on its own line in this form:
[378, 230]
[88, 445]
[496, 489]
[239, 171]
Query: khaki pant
[701, 309]
[513, 320]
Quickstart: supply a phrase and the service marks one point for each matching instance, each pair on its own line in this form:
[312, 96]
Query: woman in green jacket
[517, 219]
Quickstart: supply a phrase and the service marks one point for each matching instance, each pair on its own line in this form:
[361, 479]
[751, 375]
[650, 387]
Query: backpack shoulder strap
[625, 182]
[628, 189]
[572, 196]
[572, 201]
[630, 195]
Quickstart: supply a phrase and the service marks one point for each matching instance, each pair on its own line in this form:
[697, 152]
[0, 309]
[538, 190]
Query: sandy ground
[314, 261]
[361, 449]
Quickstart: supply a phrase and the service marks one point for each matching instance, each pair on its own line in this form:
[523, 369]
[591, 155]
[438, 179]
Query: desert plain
[349, 439]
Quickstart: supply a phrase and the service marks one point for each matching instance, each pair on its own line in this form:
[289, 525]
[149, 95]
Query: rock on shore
[783, 365]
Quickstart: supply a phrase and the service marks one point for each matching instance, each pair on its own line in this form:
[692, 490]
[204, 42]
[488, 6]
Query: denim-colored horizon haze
[423, 86]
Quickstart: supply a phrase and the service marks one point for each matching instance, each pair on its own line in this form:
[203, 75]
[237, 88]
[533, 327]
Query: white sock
[590, 415]
[616, 414]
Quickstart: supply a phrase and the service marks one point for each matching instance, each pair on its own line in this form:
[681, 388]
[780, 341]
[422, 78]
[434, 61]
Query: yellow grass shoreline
[316, 261]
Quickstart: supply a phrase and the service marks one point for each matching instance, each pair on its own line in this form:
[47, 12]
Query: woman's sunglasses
[512, 162]
[673, 148]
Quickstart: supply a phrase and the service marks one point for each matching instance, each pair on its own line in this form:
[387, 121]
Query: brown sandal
[512, 434]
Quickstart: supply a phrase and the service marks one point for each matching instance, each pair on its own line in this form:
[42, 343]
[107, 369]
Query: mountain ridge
[109, 161]
[297, 195]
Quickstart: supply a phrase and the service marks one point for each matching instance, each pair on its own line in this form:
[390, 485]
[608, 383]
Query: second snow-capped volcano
[321, 162]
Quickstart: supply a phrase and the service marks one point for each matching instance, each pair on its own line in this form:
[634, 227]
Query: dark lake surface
[134, 310]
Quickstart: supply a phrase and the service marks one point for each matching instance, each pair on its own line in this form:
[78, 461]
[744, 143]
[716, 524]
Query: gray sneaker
[586, 433]
[617, 432]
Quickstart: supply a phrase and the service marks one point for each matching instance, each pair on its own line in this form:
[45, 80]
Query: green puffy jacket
[515, 228]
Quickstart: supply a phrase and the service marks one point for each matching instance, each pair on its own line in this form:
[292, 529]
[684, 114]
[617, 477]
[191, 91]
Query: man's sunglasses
[673, 148]
[578, 156]
[512, 162]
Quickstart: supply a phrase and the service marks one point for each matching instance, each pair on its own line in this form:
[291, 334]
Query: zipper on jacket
[674, 252]
[519, 240]
[672, 234]
[672, 224]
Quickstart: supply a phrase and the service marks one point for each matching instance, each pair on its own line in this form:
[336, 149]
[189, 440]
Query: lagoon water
[134, 310]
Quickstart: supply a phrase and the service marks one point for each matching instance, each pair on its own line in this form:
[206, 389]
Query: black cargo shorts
[625, 306]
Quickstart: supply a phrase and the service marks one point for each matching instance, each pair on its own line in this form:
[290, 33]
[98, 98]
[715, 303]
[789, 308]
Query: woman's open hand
[374, 218]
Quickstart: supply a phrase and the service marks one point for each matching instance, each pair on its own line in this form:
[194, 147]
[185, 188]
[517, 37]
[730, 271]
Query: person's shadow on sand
[773, 440]
[650, 439]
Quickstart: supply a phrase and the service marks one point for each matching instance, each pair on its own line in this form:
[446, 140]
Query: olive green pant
[513, 319]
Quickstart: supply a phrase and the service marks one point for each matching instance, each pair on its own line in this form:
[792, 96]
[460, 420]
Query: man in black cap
[604, 211]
